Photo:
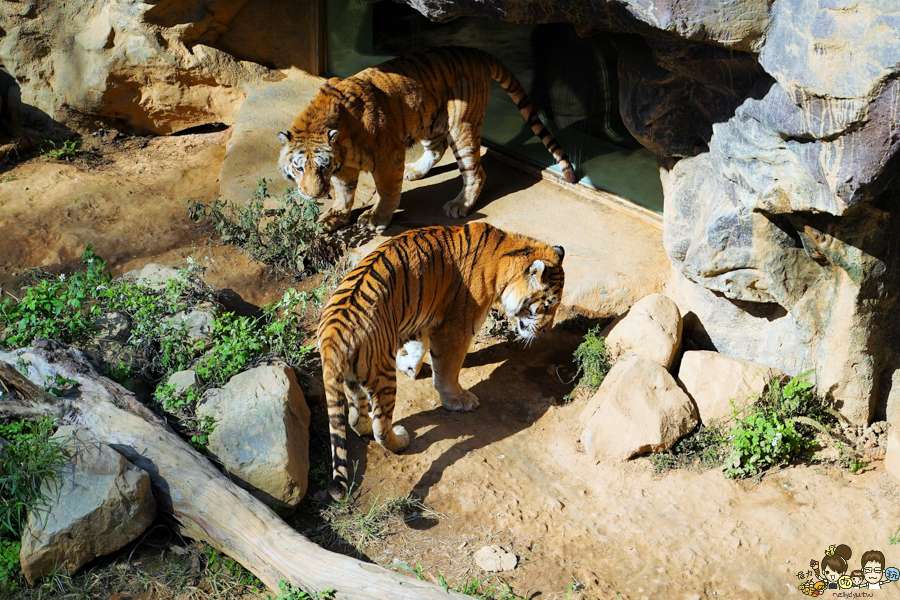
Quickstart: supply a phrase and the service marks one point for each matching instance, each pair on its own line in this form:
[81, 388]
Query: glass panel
[571, 80]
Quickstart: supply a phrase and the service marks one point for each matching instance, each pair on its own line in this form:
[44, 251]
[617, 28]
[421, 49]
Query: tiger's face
[309, 161]
[531, 301]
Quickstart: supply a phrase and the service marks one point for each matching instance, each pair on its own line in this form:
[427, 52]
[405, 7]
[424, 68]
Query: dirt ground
[511, 473]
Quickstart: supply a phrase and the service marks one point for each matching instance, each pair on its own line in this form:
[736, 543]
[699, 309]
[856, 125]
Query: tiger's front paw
[456, 209]
[333, 220]
[464, 401]
[373, 222]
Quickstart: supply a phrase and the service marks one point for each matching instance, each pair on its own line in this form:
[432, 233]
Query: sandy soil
[510, 473]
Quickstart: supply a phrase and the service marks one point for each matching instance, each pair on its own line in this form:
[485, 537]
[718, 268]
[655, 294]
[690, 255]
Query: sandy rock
[262, 433]
[713, 380]
[148, 67]
[184, 381]
[253, 148]
[892, 410]
[639, 408]
[652, 328]
[103, 502]
[892, 459]
[494, 558]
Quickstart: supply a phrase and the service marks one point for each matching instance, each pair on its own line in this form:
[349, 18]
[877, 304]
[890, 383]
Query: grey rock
[199, 321]
[100, 503]
[112, 326]
[155, 276]
[262, 433]
[184, 381]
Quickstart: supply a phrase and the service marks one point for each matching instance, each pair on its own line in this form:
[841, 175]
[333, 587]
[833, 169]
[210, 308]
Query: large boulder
[718, 384]
[639, 408]
[262, 433]
[155, 67]
[99, 503]
[652, 328]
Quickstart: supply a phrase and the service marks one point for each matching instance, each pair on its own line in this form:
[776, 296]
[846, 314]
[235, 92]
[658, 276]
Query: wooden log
[206, 504]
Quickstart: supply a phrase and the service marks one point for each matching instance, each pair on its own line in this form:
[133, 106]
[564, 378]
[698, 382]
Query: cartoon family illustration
[833, 575]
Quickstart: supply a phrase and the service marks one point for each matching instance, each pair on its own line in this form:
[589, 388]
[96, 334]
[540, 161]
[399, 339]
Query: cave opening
[572, 80]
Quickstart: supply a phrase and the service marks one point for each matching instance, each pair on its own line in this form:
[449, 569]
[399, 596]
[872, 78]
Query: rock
[714, 380]
[262, 433]
[102, 503]
[112, 326]
[892, 408]
[184, 381]
[155, 276]
[107, 348]
[639, 408]
[199, 321]
[494, 558]
[652, 328]
[253, 148]
[892, 458]
[150, 68]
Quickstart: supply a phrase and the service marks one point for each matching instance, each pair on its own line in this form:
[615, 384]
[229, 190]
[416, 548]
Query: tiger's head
[532, 298]
[309, 160]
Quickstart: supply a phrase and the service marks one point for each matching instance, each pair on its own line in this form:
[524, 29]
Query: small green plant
[849, 459]
[7, 177]
[219, 562]
[288, 238]
[593, 362]
[59, 385]
[200, 435]
[476, 588]
[894, 537]
[702, 449]
[777, 429]
[29, 460]
[65, 151]
[288, 592]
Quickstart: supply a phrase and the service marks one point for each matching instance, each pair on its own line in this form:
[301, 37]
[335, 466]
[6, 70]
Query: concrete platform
[613, 257]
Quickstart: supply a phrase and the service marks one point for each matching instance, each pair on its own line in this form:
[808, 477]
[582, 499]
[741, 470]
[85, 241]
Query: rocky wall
[156, 67]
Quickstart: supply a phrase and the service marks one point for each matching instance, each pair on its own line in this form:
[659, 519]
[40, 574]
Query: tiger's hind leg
[465, 141]
[358, 403]
[383, 387]
[434, 151]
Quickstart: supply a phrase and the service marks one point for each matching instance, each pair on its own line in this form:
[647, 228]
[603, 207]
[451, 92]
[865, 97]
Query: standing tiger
[367, 121]
[424, 290]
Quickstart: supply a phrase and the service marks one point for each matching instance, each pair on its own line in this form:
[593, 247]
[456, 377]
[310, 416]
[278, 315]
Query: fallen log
[205, 503]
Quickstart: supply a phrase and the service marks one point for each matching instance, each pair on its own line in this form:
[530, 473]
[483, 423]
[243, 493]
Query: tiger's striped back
[432, 285]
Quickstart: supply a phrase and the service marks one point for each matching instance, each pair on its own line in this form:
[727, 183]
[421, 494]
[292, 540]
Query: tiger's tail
[333, 378]
[511, 85]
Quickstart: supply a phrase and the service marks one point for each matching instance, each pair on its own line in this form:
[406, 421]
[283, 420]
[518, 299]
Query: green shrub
[31, 457]
[702, 449]
[288, 238]
[593, 361]
[777, 429]
[288, 592]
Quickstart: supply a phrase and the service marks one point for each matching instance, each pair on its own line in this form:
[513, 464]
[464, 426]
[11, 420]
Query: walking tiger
[366, 122]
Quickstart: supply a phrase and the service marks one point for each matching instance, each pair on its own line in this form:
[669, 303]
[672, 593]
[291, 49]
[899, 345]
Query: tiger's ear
[332, 135]
[535, 270]
[284, 136]
[560, 252]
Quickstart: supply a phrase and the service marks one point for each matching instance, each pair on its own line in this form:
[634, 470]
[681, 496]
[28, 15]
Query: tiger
[424, 291]
[365, 123]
